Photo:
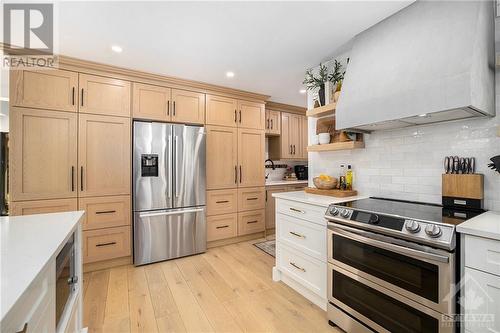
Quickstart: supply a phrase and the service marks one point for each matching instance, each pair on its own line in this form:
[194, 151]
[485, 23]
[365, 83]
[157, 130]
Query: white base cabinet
[301, 259]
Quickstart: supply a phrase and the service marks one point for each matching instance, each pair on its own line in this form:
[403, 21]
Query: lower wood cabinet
[271, 205]
[222, 227]
[105, 244]
[42, 206]
[251, 198]
[105, 212]
[251, 222]
[222, 202]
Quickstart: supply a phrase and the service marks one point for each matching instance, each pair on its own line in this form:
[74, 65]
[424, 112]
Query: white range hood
[432, 61]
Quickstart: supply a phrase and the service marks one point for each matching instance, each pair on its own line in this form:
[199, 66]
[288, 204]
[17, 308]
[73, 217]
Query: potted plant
[313, 82]
[337, 75]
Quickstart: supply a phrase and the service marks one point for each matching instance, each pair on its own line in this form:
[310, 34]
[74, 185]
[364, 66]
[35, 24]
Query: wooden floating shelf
[337, 146]
[321, 111]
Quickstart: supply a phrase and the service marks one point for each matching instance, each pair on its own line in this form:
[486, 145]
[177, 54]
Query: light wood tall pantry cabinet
[224, 111]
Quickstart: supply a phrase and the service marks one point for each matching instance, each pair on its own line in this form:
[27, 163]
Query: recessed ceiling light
[302, 91]
[116, 49]
[229, 74]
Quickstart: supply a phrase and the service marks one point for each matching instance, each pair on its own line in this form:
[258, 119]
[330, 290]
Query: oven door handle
[389, 246]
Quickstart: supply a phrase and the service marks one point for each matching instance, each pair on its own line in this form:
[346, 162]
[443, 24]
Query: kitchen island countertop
[314, 199]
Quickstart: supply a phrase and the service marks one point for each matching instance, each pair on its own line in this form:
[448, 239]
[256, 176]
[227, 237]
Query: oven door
[420, 273]
[378, 308]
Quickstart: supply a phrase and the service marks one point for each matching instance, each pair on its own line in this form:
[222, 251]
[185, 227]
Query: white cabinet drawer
[31, 307]
[482, 254]
[315, 214]
[309, 272]
[482, 299]
[307, 237]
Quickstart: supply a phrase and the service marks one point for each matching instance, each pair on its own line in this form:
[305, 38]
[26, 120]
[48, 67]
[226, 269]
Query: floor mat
[268, 246]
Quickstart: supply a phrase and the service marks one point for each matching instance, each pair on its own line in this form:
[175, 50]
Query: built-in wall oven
[388, 272]
[66, 278]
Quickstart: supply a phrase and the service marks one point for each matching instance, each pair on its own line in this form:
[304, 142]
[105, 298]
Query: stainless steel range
[391, 266]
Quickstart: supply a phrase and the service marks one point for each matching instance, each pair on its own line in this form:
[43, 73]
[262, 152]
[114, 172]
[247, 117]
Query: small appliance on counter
[301, 171]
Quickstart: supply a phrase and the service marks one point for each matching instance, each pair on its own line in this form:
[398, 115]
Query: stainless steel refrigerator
[169, 191]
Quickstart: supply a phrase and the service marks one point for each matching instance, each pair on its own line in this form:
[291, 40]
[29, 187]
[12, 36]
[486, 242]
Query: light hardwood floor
[227, 289]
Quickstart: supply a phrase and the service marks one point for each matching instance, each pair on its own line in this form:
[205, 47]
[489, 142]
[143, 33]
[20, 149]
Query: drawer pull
[222, 201]
[250, 222]
[106, 212]
[297, 235]
[298, 267]
[297, 210]
[25, 329]
[249, 199]
[105, 244]
[222, 227]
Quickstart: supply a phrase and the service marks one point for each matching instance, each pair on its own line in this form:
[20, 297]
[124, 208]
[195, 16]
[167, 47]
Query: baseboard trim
[233, 240]
[100, 265]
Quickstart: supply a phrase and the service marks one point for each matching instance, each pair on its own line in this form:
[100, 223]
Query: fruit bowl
[325, 182]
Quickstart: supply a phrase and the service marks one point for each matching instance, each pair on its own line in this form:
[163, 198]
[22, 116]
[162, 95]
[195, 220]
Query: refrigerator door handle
[169, 176]
[177, 212]
[176, 139]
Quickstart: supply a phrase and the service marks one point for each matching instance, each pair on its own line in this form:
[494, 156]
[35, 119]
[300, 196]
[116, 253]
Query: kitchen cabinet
[292, 142]
[273, 122]
[222, 227]
[104, 95]
[251, 157]
[44, 89]
[188, 107]
[251, 198]
[222, 157]
[18, 208]
[222, 202]
[103, 155]
[43, 154]
[221, 111]
[106, 244]
[105, 212]
[251, 222]
[251, 115]
[151, 102]
[271, 205]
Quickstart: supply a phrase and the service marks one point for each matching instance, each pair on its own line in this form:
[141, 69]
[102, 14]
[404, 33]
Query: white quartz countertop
[28, 243]
[313, 199]
[285, 182]
[485, 225]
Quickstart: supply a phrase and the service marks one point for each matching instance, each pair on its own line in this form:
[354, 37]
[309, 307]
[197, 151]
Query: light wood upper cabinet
[284, 149]
[273, 122]
[292, 142]
[42, 206]
[251, 157]
[222, 157]
[43, 154]
[46, 89]
[251, 115]
[103, 155]
[151, 102]
[188, 107]
[103, 95]
[221, 111]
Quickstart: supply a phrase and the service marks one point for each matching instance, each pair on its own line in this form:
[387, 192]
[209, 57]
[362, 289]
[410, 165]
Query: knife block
[463, 190]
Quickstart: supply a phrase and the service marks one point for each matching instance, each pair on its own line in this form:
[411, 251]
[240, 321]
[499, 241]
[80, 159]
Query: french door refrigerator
[169, 191]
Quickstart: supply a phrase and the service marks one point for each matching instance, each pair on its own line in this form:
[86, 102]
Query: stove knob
[433, 230]
[334, 211]
[344, 213]
[412, 226]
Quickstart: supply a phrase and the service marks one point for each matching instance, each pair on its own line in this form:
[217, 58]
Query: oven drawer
[482, 254]
[106, 244]
[251, 198]
[31, 308]
[308, 271]
[222, 202]
[105, 212]
[304, 236]
[222, 226]
[315, 214]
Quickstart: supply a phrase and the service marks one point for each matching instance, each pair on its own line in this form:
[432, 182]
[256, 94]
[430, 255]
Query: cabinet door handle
[222, 227]
[297, 210]
[236, 174]
[105, 244]
[72, 179]
[271, 124]
[252, 222]
[267, 125]
[82, 98]
[106, 212]
[174, 109]
[294, 149]
[296, 234]
[235, 116]
[249, 199]
[222, 201]
[81, 178]
[298, 267]
[25, 329]
[241, 175]
[73, 96]
[240, 116]
[291, 149]
[168, 108]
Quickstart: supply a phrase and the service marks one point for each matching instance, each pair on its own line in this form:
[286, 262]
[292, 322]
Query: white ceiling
[268, 45]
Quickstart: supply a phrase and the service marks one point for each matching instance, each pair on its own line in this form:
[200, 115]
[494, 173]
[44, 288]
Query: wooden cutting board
[332, 193]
